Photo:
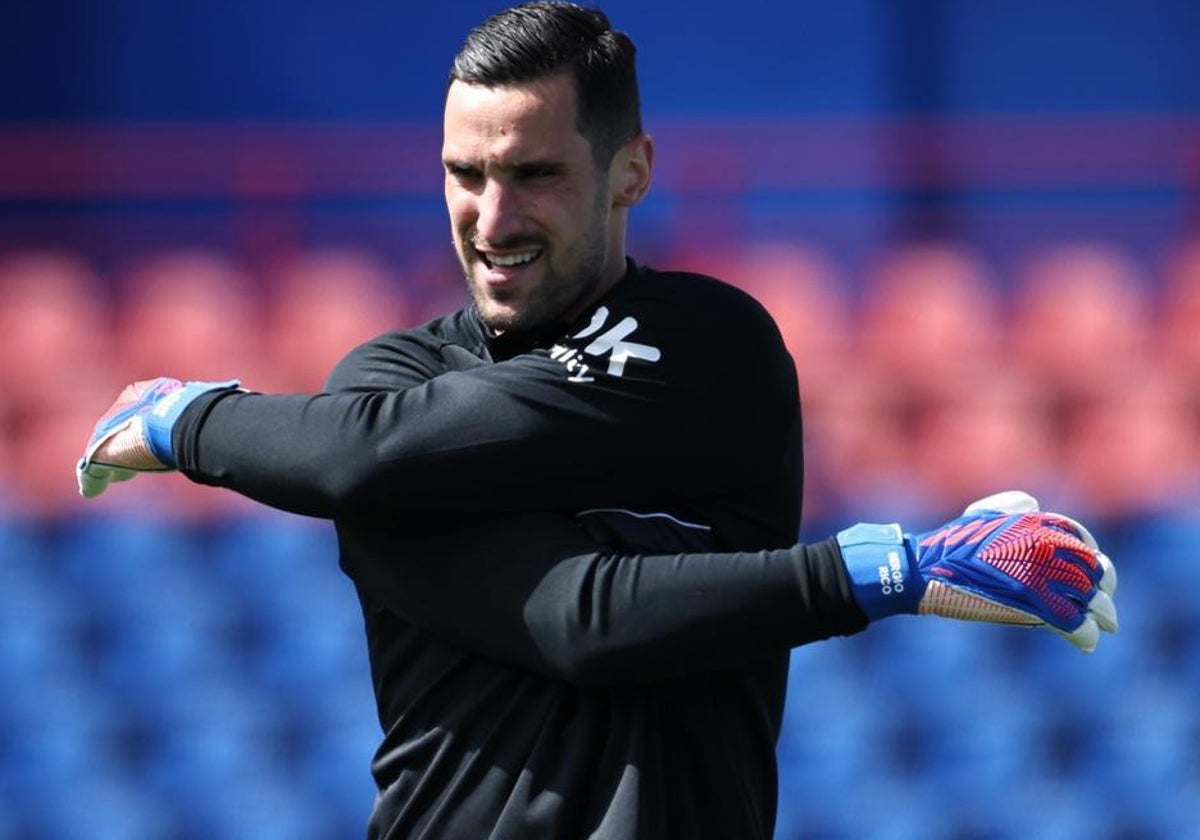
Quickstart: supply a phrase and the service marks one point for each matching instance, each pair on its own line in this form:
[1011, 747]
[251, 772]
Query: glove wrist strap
[879, 565]
[160, 420]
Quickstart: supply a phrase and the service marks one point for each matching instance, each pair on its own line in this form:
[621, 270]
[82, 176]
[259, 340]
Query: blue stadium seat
[1168, 544]
[299, 616]
[266, 807]
[907, 652]
[55, 734]
[334, 764]
[1148, 741]
[127, 565]
[209, 731]
[104, 807]
[1034, 806]
[10, 820]
[38, 626]
[266, 555]
[830, 734]
[972, 736]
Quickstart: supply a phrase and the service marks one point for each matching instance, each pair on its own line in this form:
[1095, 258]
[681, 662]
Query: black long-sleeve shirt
[541, 674]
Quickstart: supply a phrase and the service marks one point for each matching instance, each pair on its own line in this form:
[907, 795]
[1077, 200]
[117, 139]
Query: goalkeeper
[569, 510]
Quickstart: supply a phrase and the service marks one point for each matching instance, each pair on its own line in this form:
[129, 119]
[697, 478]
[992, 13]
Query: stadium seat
[927, 329]
[204, 739]
[830, 733]
[1145, 758]
[805, 292]
[857, 464]
[55, 326]
[930, 311]
[980, 430]
[1133, 445]
[129, 564]
[107, 807]
[54, 321]
[38, 627]
[299, 617]
[1179, 313]
[334, 765]
[323, 304]
[1081, 310]
[55, 734]
[191, 315]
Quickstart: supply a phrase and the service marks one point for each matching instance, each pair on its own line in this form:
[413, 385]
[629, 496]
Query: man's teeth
[508, 260]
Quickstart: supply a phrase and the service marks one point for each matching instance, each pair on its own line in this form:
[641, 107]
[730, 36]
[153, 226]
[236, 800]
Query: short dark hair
[542, 38]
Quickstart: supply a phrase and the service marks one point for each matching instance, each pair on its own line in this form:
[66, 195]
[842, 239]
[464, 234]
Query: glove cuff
[879, 563]
[160, 420]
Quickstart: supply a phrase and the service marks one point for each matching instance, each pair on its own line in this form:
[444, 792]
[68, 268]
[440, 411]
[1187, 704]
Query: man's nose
[499, 213]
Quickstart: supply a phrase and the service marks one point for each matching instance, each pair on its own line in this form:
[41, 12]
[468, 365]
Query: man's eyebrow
[517, 167]
[538, 166]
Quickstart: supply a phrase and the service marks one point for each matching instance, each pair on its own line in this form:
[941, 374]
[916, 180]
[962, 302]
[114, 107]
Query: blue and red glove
[1002, 561]
[134, 435]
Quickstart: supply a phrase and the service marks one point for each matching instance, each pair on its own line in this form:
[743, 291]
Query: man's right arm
[708, 418]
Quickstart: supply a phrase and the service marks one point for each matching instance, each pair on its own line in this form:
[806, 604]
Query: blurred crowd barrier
[177, 664]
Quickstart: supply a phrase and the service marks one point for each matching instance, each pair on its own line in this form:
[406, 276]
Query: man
[569, 510]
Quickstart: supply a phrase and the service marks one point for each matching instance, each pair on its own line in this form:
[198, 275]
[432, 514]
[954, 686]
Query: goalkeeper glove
[1002, 561]
[134, 435]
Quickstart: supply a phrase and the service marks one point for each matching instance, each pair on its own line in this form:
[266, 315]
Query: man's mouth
[510, 260]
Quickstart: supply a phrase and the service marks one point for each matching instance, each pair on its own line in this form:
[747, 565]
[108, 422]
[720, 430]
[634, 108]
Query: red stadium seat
[1179, 328]
[984, 430]
[55, 327]
[191, 315]
[322, 305]
[56, 374]
[929, 312]
[805, 293]
[1081, 311]
[1133, 447]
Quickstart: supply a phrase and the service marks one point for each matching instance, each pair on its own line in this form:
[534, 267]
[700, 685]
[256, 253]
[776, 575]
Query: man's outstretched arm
[537, 591]
[705, 419]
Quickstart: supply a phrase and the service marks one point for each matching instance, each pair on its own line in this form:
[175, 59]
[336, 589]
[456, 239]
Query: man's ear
[630, 171]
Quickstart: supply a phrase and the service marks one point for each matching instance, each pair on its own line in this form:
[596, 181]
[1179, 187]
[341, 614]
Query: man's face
[531, 217]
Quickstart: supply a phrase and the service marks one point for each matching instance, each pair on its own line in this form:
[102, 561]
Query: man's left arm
[541, 592]
[537, 591]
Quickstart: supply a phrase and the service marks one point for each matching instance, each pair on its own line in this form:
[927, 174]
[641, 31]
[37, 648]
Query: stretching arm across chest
[533, 432]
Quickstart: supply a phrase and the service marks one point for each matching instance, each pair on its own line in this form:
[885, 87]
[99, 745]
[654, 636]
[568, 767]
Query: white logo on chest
[611, 342]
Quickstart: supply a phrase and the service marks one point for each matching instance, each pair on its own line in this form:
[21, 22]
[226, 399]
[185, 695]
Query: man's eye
[463, 173]
[536, 173]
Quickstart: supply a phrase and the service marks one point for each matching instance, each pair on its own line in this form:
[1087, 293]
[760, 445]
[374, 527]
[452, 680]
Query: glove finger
[90, 484]
[1083, 533]
[1108, 581]
[1008, 501]
[116, 474]
[1104, 611]
[93, 478]
[1085, 637]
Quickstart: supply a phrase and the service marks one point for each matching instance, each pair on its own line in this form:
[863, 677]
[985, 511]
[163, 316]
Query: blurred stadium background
[978, 225]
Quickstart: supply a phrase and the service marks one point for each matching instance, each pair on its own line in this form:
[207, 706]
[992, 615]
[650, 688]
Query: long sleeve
[660, 393]
[537, 591]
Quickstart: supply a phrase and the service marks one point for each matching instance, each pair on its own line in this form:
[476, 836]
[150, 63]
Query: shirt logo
[611, 342]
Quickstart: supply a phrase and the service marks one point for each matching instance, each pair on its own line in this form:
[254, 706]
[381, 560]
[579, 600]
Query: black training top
[548, 661]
